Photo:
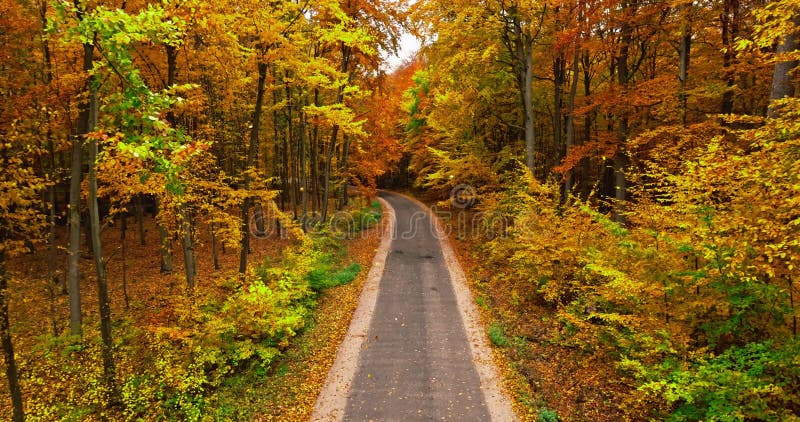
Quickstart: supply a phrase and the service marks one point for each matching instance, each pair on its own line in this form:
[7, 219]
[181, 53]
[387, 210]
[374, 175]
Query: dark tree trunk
[346, 52]
[123, 228]
[729, 20]
[215, 246]
[12, 374]
[251, 158]
[165, 244]
[685, 55]
[164, 238]
[190, 263]
[570, 138]
[109, 367]
[620, 160]
[559, 71]
[343, 169]
[52, 279]
[76, 173]
[525, 57]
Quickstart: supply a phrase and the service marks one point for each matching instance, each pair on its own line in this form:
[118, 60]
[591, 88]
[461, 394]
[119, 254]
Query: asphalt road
[416, 363]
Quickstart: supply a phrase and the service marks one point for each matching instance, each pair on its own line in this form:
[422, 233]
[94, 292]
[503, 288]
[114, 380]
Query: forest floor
[544, 378]
[288, 392]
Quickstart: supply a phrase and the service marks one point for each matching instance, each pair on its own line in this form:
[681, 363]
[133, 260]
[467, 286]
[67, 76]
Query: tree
[783, 18]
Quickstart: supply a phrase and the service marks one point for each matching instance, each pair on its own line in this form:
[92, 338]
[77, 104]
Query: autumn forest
[188, 198]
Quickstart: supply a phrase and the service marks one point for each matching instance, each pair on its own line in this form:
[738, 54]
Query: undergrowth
[202, 347]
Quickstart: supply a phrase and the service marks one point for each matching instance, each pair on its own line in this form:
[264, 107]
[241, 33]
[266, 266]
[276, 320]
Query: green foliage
[497, 336]
[326, 278]
[348, 224]
[546, 415]
[754, 382]
[414, 97]
[132, 113]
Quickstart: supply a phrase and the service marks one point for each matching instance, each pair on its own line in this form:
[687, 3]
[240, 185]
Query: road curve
[414, 359]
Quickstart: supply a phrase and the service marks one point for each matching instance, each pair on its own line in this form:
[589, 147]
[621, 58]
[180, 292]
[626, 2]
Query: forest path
[417, 360]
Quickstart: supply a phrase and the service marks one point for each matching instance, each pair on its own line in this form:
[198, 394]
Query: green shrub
[496, 335]
[753, 382]
[546, 415]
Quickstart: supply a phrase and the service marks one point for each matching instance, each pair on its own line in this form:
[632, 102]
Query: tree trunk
[570, 138]
[685, 54]
[73, 271]
[620, 160]
[326, 175]
[559, 70]
[165, 243]
[343, 170]
[783, 83]
[346, 51]
[251, 158]
[123, 228]
[303, 173]
[190, 263]
[314, 157]
[12, 374]
[588, 122]
[164, 238]
[84, 127]
[729, 20]
[525, 57]
[214, 246]
[99, 262]
[52, 279]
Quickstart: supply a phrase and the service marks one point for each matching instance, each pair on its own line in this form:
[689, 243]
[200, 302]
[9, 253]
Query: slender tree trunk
[343, 169]
[99, 261]
[730, 30]
[52, 280]
[164, 238]
[588, 121]
[303, 171]
[190, 264]
[84, 127]
[73, 271]
[214, 246]
[251, 158]
[165, 243]
[559, 70]
[123, 228]
[289, 160]
[570, 139]
[109, 367]
[346, 51]
[620, 161]
[791, 304]
[783, 80]
[327, 173]
[685, 54]
[314, 166]
[12, 374]
[525, 58]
